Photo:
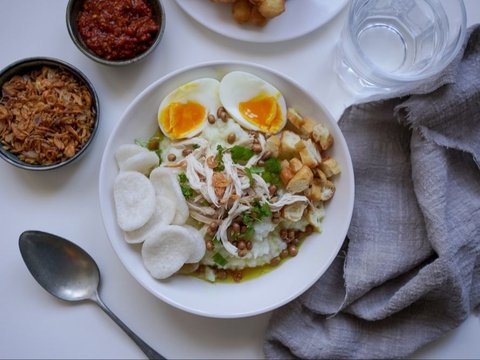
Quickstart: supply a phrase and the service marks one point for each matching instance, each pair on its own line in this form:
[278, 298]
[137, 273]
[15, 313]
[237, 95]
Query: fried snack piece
[256, 18]
[241, 11]
[255, 12]
[271, 8]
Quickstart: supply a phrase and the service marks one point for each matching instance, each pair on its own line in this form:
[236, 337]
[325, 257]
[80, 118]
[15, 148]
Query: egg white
[217, 134]
[204, 91]
[239, 86]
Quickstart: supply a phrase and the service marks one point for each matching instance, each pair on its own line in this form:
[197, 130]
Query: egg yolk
[179, 119]
[262, 111]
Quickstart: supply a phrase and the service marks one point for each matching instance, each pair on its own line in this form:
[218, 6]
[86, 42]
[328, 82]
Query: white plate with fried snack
[299, 18]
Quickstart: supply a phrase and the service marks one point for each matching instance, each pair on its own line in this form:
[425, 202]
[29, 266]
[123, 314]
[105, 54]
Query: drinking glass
[393, 45]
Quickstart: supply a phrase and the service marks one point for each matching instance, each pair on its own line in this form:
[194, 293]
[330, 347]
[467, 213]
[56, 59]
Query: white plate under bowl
[300, 18]
[266, 292]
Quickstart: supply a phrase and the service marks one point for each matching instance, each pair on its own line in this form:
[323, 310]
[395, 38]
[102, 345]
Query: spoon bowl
[69, 273]
[62, 268]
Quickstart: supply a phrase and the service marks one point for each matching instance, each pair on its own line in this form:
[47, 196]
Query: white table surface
[33, 324]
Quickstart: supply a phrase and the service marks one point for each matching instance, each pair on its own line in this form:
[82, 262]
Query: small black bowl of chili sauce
[116, 32]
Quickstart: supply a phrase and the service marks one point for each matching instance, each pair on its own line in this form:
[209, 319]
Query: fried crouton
[308, 125]
[321, 135]
[273, 145]
[304, 125]
[286, 173]
[330, 167]
[309, 154]
[295, 165]
[294, 117]
[301, 180]
[328, 190]
[320, 174]
[314, 192]
[290, 145]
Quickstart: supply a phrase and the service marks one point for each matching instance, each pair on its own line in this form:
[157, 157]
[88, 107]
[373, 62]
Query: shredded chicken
[286, 199]
[205, 210]
[236, 210]
[200, 217]
[261, 187]
[231, 171]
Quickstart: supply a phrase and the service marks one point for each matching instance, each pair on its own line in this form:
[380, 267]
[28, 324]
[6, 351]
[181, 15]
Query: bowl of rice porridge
[226, 189]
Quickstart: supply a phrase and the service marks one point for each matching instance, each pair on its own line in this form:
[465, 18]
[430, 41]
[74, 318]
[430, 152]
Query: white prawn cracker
[198, 244]
[134, 198]
[165, 182]
[166, 250]
[163, 215]
[132, 157]
[126, 151]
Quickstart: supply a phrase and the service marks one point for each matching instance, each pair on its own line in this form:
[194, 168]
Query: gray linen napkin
[411, 269]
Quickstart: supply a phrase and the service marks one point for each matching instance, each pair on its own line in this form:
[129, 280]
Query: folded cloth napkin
[410, 271]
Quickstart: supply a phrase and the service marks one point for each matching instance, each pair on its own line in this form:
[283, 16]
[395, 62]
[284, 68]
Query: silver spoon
[66, 271]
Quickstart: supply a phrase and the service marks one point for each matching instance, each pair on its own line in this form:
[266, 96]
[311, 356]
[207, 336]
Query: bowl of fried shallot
[49, 113]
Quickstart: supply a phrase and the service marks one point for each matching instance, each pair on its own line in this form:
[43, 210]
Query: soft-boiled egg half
[252, 102]
[183, 113]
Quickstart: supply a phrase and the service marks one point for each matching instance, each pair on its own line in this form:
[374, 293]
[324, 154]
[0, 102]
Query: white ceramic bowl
[266, 292]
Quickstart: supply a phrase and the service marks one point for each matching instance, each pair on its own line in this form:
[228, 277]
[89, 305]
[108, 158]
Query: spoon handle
[147, 350]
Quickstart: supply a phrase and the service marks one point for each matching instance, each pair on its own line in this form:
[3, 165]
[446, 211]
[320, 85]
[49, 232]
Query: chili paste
[117, 29]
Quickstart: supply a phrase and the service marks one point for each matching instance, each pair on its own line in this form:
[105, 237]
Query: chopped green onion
[248, 235]
[219, 158]
[219, 259]
[216, 242]
[248, 172]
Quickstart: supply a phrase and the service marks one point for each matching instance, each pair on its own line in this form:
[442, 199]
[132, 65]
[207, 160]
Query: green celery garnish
[261, 211]
[273, 165]
[257, 213]
[187, 191]
[272, 170]
[241, 153]
[253, 170]
[141, 142]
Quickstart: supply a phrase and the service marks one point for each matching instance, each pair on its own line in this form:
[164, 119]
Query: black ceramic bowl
[25, 66]
[74, 7]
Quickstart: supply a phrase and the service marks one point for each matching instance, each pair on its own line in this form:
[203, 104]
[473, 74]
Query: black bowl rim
[72, 31]
[33, 62]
